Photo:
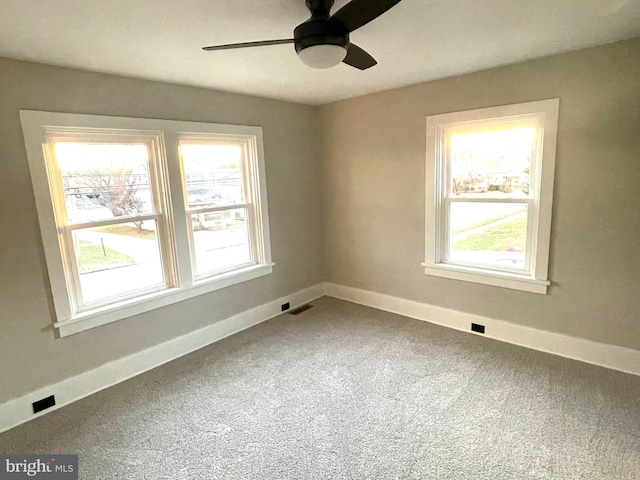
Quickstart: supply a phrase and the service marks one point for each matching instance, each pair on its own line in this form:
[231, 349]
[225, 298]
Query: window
[489, 194]
[136, 214]
[223, 229]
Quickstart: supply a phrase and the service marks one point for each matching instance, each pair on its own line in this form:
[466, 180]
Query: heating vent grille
[301, 309]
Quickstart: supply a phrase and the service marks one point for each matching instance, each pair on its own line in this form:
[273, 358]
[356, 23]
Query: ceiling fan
[323, 40]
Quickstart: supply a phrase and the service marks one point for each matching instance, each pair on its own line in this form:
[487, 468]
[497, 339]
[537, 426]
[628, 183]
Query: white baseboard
[19, 410]
[605, 355]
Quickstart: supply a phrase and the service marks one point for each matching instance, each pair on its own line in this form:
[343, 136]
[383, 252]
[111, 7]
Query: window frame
[181, 282]
[153, 142]
[544, 115]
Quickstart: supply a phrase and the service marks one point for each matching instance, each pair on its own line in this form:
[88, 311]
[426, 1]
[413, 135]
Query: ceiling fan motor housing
[317, 30]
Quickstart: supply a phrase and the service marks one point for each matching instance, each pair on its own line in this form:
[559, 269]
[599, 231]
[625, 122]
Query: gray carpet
[345, 391]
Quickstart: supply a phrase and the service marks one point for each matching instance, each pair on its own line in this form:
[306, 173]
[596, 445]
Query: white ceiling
[417, 40]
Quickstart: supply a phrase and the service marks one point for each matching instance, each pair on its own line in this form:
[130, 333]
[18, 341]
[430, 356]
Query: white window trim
[540, 230]
[169, 132]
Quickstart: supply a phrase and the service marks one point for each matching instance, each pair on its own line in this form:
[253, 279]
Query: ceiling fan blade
[357, 13]
[248, 44]
[357, 57]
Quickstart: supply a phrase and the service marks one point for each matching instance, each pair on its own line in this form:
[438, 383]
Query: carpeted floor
[345, 391]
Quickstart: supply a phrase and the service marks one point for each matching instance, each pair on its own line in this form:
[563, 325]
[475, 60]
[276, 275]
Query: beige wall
[30, 354]
[373, 195]
[361, 198]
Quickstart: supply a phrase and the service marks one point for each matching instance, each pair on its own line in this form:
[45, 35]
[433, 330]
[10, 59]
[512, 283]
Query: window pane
[493, 163]
[213, 174]
[221, 240]
[103, 181]
[117, 260]
[488, 234]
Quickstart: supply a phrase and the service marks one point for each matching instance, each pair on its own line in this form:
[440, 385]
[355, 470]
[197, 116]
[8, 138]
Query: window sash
[492, 125]
[251, 230]
[72, 269]
[446, 237]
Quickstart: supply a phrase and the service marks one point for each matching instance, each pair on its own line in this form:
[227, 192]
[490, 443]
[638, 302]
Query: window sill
[488, 277]
[114, 312]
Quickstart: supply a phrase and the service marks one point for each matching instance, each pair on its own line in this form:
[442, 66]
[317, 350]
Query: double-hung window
[489, 194]
[224, 230]
[136, 214]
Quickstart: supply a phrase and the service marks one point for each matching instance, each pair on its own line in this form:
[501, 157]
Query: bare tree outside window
[116, 190]
[117, 181]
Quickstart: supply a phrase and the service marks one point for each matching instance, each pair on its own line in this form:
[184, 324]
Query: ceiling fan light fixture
[322, 56]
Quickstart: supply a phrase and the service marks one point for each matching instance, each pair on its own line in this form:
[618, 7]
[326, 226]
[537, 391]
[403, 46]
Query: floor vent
[301, 309]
